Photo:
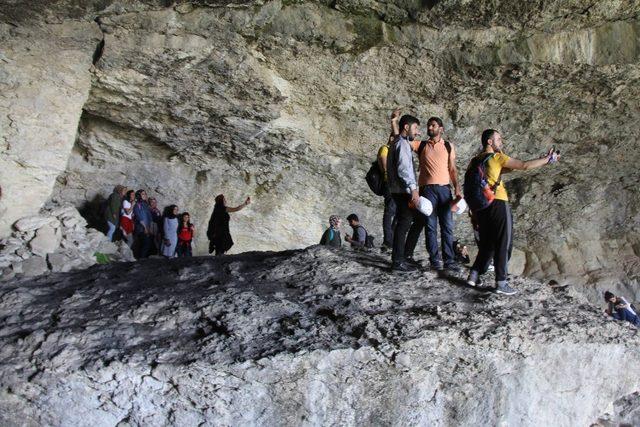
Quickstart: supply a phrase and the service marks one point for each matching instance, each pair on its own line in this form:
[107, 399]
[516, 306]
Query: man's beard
[432, 134]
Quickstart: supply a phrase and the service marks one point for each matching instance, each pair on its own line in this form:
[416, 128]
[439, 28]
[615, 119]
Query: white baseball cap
[460, 207]
[425, 207]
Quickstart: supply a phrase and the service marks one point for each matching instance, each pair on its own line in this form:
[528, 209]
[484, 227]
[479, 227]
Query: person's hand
[552, 155]
[395, 115]
[458, 194]
[347, 238]
[415, 198]
[246, 202]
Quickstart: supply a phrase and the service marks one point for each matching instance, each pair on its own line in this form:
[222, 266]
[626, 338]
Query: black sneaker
[409, 260]
[474, 280]
[505, 289]
[402, 268]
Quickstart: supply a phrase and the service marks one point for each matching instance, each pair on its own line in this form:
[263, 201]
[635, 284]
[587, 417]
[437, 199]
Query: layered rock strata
[288, 102]
[310, 337]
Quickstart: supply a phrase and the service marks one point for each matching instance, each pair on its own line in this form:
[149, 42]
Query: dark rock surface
[311, 336]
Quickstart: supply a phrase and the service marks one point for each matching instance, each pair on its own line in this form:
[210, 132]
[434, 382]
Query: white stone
[45, 242]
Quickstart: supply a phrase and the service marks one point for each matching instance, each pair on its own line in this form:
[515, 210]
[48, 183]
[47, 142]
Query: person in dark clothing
[112, 211]
[495, 221]
[620, 309]
[331, 236]
[218, 232]
[142, 219]
[359, 237]
[403, 187]
[186, 232]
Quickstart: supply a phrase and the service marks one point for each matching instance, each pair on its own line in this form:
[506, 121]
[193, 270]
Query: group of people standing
[438, 183]
[135, 218]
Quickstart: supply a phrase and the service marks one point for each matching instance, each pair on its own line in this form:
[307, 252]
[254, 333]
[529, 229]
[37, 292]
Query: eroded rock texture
[288, 102]
[310, 337]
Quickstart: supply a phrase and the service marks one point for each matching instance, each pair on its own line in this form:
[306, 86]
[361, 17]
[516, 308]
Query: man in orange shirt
[438, 173]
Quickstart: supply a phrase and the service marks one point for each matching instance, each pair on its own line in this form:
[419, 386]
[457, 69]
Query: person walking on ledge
[403, 187]
[218, 232]
[486, 196]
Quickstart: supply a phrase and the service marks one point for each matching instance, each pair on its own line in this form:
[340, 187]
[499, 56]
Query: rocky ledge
[308, 337]
[56, 240]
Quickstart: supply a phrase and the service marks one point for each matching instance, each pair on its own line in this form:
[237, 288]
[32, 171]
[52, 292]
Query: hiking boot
[409, 260]
[474, 279]
[402, 268]
[504, 288]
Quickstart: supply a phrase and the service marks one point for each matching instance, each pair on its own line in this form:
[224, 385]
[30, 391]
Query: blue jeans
[440, 197]
[112, 229]
[624, 314]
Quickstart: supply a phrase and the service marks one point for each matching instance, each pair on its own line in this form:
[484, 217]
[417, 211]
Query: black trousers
[404, 219]
[495, 227]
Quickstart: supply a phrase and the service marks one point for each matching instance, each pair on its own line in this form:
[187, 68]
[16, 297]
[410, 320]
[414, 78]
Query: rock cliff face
[312, 337]
[288, 102]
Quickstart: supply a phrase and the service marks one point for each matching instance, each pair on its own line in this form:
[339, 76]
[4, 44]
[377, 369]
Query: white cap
[460, 207]
[425, 206]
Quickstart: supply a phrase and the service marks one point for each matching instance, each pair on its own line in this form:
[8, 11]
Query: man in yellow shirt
[388, 218]
[495, 220]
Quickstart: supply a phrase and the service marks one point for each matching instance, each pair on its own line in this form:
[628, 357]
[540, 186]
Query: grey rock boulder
[47, 240]
[34, 266]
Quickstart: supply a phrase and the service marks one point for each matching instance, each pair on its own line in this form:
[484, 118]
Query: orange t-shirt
[434, 162]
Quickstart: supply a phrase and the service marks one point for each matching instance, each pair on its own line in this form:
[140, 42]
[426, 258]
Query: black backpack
[375, 180]
[423, 144]
[368, 240]
[475, 180]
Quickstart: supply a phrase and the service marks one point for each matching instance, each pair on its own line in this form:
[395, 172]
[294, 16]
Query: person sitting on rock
[126, 216]
[112, 211]
[142, 219]
[620, 309]
[359, 237]
[331, 236]
[186, 233]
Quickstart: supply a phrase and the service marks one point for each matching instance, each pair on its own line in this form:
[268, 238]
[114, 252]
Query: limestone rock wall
[44, 82]
[288, 102]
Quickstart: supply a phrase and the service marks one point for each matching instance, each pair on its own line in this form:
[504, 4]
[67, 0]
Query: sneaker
[402, 268]
[473, 279]
[505, 289]
[436, 267]
[409, 260]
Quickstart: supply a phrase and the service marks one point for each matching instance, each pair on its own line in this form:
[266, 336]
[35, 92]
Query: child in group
[186, 232]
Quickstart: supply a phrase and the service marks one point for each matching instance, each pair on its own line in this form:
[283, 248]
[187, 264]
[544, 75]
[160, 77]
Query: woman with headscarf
[170, 231]
[331, 236]
[218, 232]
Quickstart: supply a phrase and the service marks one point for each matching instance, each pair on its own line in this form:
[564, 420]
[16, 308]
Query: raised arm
[239, 207]
[395, 127]
[515, 164]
